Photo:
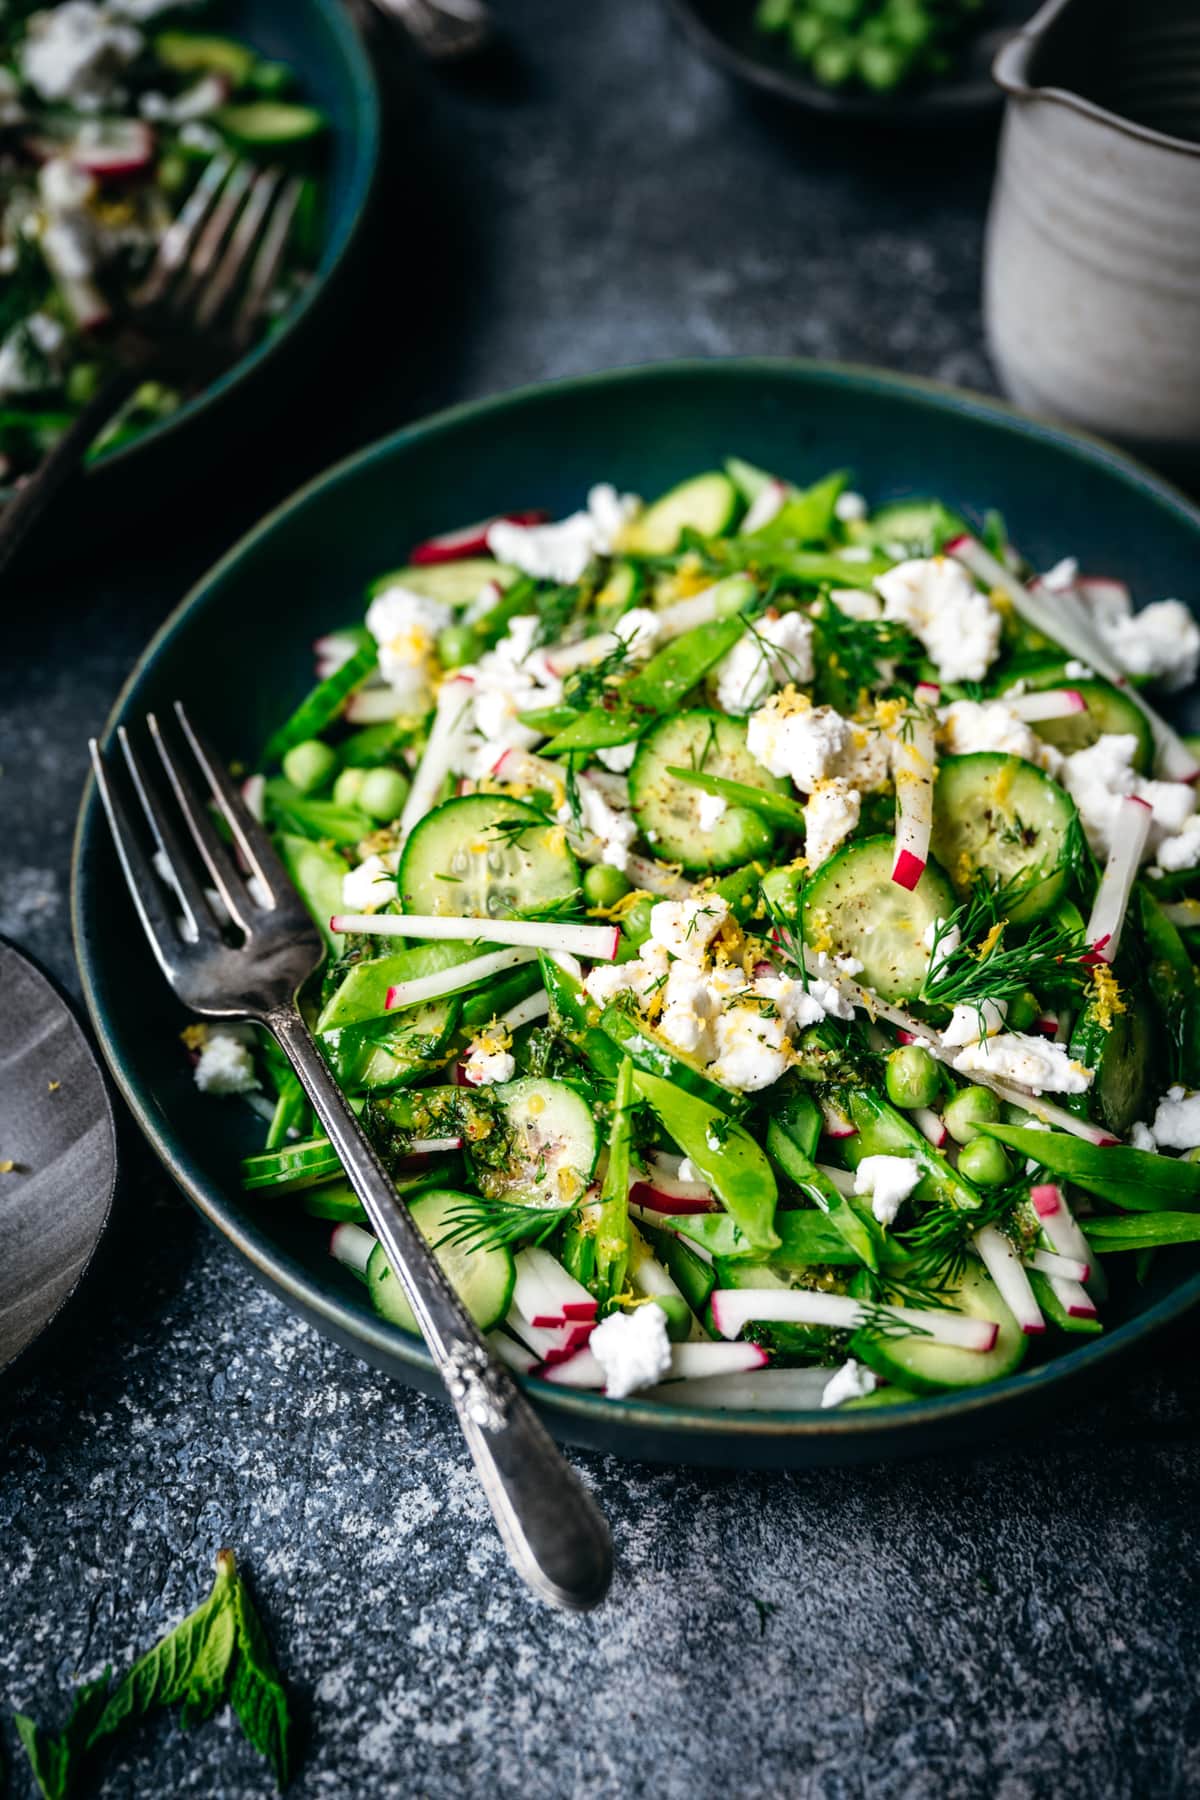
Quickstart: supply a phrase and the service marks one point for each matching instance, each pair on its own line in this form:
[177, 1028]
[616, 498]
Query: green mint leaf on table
[55, 1757]
[258, 1695]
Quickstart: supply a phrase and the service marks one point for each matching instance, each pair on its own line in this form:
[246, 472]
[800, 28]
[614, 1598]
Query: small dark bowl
[237, 651]
[723, 30]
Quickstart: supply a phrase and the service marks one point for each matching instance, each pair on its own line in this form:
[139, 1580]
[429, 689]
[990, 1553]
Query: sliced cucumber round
[482, 1275]
[391, 1051]
[999, 819]
[547, 1150]
[852, 907]
[1107, 712]
[705, 504]
[486, 857]
[925, 1367]
[454, 583]
[261, 122]
[668, 811]
[1123, 1057]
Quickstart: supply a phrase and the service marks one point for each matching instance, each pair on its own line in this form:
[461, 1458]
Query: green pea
[383, 793]
[270, 78]
[833, 62]
[970, 1108]
[310, 765]
[636, 923]
[1022, 1011]
[984, 1162]
[348, 786]
[838, 12]
[881, 67]
[603, 886]
[805, 34]
[456, 645]
[82, 383]
[912, 1077]
[772, 15]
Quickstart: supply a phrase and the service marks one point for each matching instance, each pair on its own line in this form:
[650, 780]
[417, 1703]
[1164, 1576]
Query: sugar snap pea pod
[322, 820]
[674, 671]
[609, 1217]
[1049, 1303]
[726, 1155]
[805, 1238]
[776, 807]
[549, 719]
[1137, 1180]
[1144, 1233]
[515, 601]
[788, 1132]
[290, 1103]
[1174, 987]
[807, 516]
[571, 1007]
[882, 1130]
[808, 568]
[652, 1054]
[740, 890]
[597, 729]
[363, 994]
[320, 707]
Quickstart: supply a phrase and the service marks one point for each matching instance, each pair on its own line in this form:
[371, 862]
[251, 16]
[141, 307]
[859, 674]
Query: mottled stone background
[1016, 1624]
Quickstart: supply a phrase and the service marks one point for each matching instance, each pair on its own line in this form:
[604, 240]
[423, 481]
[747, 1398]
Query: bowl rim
[388, 1344]
[366, 137]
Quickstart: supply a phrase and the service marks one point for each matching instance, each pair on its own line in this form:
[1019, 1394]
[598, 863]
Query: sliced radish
[837, 1124]
[930, 1125]
[439, 1146]
[1073, 1298]
[735, 1308]
[599, 943]
[254, 793]
[650, 1194]
[1132, 829]
[1048, 703]
[552, 1345]
[451, 981]
[696, 1197]
[513, 1355]
[113, 148]
[665, 1221]
[447, 740]
[913, 763]
[581, 1370]
[372, 706]
[536, 1006]
[1060, 1230]
[1049, 1262]
[524, 767]
[693, 1362]
[470, 540]
[767, 503]
[766, 1390]
[1063, 618]
[1002, 1263]
[841, 1179]
[351, 1246]
[927, 693]
[546, 1294]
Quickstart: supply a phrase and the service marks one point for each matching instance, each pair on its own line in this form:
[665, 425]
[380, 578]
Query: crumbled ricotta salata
[405, 626]
[687, 927]
[853, 1381]
[1177, 1121]
[948, 942]
[1098, 777]
[970, 725]
[512, 678]
[371, 884]
[889, 1180]
[1030, 1062]
[485, 1065]
[1141, 1137]
[710, 808]
[1160, 643]
[226, 1065]
[769, 653]
[751, 1049]
[26, 351]
[938, 601]
[849, 507]
[970, 1023]
[74, 54]
[830, 815]
[632, 1348]
[810, 744]
[618, 759]
[562, 551]
[615, 830]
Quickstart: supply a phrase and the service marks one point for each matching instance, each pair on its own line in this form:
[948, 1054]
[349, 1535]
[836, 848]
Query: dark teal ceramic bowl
[318, 41]
[238, 653]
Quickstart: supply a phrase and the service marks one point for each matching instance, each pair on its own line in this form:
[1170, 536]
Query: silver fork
[552, 1529]
[205, 291]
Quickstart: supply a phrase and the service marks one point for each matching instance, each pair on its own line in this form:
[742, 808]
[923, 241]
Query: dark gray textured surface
[1020, 1624]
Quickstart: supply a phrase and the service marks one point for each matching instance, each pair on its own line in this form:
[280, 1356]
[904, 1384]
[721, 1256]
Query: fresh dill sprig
[877, 1322]
[589, 686]
[983, 965]
[481, 1223]
[566, 907]
[853, 652]
[938, 1247]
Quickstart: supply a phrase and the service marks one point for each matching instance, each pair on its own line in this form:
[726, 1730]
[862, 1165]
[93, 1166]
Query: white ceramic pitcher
[1092, 269]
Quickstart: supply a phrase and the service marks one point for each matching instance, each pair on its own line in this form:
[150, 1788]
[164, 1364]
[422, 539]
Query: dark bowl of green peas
[898, 62]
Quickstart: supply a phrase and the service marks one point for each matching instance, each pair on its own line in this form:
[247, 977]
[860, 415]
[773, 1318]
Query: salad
[880, 45]
[109, 113]
[762, 939]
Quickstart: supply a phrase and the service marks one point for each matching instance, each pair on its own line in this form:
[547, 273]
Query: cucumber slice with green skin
[1123, 1057]
[454, 583]
[292, 1166]
[653, 1055]
[548, 1148]
[201, 53]
[1108, 712]
[668, 810]
[998, 819]
[482, 1276]
[391, 1052]
[853, 907]
[707, 504]
[363, 994]
[263, 122]
[921, 526]
[486, 857]
[925, 1367]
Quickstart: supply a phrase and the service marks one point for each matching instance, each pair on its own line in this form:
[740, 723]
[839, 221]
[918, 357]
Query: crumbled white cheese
[849, 507]
[644, 977]
[1183, 850]
[970, 725]
[970, 1023]
[857, 603]
[790, 736]
[638, 630]
[769, 653]
[633, 1349]
[226, 1065]
[75, 53]
[709, 809]
[512, 678]
[1074, 670]
[830, 815]
[1031, 1062]
[1062, 577]
[889, 1180]
[1177, 1121]
[1098, 777]
[405, 626]
[28, 353]
[615, 830]
[1141, 1137]
[690, 1004]
[619, 758]
[938, 601]
[751, 1050]
[687, 927]
[371, 884]
[485, 1065]
[853, 1381]
[1160, 643]
[562, 551]
[800, 1003]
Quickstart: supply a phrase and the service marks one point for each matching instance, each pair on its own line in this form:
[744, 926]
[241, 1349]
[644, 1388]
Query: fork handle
[552, 1529]
[37, 491]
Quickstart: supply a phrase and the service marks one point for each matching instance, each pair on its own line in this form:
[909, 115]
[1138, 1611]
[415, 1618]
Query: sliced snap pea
[1138, 1180]
[776, 807]
[320, 707]
[596, 729]
[675, 670]
[725, 1154]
